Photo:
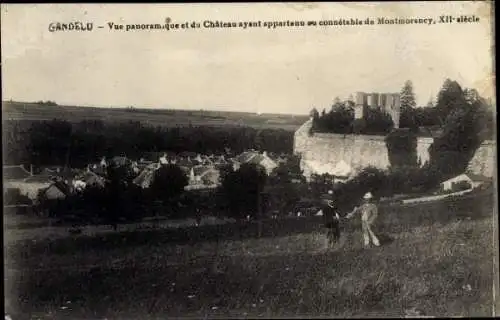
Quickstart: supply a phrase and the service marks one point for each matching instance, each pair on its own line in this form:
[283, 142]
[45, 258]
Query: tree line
[59, 142]
[452, 98]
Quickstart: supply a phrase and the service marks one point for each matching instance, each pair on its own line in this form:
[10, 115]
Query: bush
[402, 148]
[398, 180]
[168, 183]
[242, 189]
[341, 120]
[281, 198]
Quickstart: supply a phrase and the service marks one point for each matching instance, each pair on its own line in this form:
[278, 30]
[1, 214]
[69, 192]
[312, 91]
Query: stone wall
[484, 161]
[360, 151]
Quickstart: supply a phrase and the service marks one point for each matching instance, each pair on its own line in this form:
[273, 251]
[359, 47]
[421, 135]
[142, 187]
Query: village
[58, 182]
[25, 187]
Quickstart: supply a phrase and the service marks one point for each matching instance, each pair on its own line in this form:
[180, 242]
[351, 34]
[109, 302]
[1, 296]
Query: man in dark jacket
[331, 218]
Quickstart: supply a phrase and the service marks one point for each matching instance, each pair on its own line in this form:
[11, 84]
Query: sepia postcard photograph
[249, 160]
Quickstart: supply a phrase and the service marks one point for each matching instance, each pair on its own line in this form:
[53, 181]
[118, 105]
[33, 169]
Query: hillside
[436, 260]
[162, 117]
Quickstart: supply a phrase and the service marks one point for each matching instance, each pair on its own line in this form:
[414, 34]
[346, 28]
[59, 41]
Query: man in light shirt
[369, 213]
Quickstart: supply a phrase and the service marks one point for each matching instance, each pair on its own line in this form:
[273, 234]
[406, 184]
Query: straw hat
[368, 196]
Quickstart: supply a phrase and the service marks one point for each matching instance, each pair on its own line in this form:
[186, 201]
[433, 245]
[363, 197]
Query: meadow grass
[435, 268]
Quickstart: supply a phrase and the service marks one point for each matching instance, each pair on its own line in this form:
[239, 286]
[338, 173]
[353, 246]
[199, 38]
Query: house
[206, 175]
[16, 173]
[448, 184]
[254, 157]
[120, 161]
[220, 160]
[22, 180]
[57, 191]
[479, 180]
[28, 189]
[92, 179]
[103, 162]
[145, 178]
[163, 160]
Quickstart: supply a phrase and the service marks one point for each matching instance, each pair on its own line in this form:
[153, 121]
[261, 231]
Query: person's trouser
[368, 234]
[333, 234]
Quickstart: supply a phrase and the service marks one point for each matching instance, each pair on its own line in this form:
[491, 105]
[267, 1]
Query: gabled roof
[64, 188]
[256, 159]
[145, 178]
[245, 156]
[478, 177]
[262, 159]
[15, 173]
[460, 177]
[202, 170]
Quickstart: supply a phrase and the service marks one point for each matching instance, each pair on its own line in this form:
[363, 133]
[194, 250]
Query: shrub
[402, 148]
[243, 189]
[168, 183]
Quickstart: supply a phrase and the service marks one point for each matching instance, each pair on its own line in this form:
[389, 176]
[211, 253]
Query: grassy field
[436, 260]
[163, 117]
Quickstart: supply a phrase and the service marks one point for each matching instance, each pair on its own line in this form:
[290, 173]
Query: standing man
[332, 219]
[369, 213]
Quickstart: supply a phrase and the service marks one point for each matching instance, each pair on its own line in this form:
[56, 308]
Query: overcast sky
[286, 70]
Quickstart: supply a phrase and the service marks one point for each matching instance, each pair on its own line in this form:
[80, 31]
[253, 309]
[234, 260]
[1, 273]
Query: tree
[314, 113]
[450, 98]
[287, 171]
[465, 128]
[408, 104]
[168, 184]
[337, 121]
[116, 198]
[407, 96]
[337, 104]
[242, 189]
[402, 148]
[376, 122]
[471, 96]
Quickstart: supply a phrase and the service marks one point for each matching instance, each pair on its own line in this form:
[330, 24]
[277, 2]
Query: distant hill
[163, 117]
